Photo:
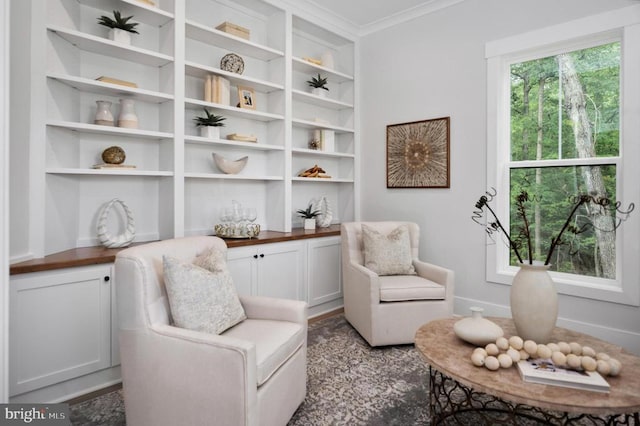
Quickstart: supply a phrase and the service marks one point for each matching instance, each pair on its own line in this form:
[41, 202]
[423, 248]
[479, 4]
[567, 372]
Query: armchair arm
[437, 274]
[260, 307]
[363, 282]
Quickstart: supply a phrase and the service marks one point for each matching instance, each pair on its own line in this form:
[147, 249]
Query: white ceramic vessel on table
[476, 329]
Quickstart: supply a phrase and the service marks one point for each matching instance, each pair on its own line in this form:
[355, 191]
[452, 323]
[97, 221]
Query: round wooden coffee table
[461, 392]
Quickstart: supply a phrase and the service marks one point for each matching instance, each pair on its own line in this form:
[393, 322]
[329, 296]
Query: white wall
[4, 203]
[434, 66]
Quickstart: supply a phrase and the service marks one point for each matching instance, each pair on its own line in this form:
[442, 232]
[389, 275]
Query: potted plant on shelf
[120, 28]
[309, 216]
[318, 85]
[210, 125]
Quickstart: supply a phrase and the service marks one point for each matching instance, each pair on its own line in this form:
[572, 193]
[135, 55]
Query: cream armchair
[252, 374]
[388, 310]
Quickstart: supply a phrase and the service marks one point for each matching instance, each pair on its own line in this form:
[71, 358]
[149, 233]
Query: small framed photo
[418, 154]
[247, 97]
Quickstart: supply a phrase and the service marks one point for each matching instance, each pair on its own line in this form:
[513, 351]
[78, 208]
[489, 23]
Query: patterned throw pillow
[199, 299]
[213, 260]
[388, 254]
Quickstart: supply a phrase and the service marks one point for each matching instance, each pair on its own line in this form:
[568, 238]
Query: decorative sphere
[477, 358]
[588, 351]
[588, 363]
[543, 351]
[564, 348]
[554, 347]
[559, 358]
[576, 348]
[516, 342]
[492, 349]
[481, 351]
[513, 354]
[505, 360]
[603, 367]
[531, 347]
[615, 366]
[524, 354]
[492, 363]
[502, 343]
[573, 361]
[603, 356]
[113, 155]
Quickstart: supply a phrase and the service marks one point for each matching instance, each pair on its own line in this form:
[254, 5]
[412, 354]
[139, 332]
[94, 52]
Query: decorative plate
[232, 63]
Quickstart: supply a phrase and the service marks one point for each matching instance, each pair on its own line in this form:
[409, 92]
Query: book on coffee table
[543, 371]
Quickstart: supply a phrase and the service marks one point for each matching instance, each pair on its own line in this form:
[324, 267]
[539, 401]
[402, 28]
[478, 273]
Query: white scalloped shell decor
[325, 217]
[122, 240]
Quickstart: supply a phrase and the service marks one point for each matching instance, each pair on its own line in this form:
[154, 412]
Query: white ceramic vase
[127, 117]
[104, 117]
[120, 36]
[476, 329]
[534, 302]
[210, 132]
[310, 223]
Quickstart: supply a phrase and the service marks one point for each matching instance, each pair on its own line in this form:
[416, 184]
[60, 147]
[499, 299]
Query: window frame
[619, 25]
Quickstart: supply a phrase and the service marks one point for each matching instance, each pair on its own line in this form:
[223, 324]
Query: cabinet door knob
[261, 254]
[255, 256]
[107, 278]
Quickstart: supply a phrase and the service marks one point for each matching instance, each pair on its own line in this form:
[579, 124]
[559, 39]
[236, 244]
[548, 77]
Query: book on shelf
[327, 140]
[242, 137]
[217, 89]
[543, 371]
[112, 80]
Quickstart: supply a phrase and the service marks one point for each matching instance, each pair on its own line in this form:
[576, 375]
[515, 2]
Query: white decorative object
[120, 36]
[325, 217]
[210, 132]
[534, 302]
[229, 166]
[476, 329]
[319, 92]
[103, 117]
[327, 59]
[121, 240]
[310, 223]
[127, 117]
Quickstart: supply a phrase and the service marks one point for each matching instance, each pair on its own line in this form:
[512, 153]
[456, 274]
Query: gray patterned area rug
[349, 383]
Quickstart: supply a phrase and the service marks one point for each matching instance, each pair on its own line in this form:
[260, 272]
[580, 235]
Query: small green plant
[210, 120]
[309, 213]
[119, 23]
[318, 83]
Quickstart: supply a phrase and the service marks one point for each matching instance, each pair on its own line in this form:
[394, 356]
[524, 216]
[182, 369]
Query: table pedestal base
[452, 403]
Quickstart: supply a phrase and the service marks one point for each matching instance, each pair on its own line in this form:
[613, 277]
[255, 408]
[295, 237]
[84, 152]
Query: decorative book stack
[217, 90]
[326, 139]
[543, 371]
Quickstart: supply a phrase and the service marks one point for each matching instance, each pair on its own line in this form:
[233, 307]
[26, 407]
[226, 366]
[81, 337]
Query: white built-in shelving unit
[175, 188]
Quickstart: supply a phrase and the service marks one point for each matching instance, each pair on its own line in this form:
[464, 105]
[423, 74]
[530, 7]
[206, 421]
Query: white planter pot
[210, 132]
[310, 223]
[319, 92]
[120, 36]
[534, 302]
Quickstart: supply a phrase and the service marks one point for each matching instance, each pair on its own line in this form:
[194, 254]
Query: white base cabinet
[61, 327]
[324, 282]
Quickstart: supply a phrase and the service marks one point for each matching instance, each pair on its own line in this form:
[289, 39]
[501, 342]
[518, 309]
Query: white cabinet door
[325, 278]
[60, 326]
[274, 270]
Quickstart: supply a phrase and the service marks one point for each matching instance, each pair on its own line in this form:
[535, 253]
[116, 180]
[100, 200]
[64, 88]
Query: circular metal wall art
[122, 240]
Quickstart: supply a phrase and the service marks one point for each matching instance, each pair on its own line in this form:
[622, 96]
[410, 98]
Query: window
[560, 124]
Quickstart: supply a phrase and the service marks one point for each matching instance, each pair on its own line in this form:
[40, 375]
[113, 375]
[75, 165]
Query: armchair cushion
[409, 287]
[199, 299]
[276, 342]
[388, 254]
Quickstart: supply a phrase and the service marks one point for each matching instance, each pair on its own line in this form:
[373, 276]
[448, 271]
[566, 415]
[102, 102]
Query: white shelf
[230, 177]
[319, 100]
[107, 130]
[142, 12]
[201, 71]
[108, 172]
[308, 124]
[307, 67]
[234, 111]
[230, 42]
[226, 142]
[313, 152]
[321, 180]
[103, 46]
[99, 87]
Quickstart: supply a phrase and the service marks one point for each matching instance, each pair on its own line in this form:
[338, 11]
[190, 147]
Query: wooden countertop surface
[97, 255]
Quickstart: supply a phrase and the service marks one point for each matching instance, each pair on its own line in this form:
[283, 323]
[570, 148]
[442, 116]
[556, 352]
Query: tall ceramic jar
[104, 117]
[127, 117]
[534, 302]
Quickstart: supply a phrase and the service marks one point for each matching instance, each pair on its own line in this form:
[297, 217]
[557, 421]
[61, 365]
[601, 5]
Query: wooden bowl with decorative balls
[113, 155]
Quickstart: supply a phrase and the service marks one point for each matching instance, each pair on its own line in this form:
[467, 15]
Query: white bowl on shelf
[230, 167]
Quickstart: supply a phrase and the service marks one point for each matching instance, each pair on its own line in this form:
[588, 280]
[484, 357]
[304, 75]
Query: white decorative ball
[524, 354]
[615, 365]
[531, 347]
[481, 351]
[588, 363]
[573, 361]
[477, 358]
[543, 351]
[513, 354]
[576, 348]
[554, 347]
[564, 348]
[492, 363]
[502, 343]
[505, 360]
[492, 349]
[516, 342]
[603, 356]
[559, 358]
[588, 351]
[603, 367]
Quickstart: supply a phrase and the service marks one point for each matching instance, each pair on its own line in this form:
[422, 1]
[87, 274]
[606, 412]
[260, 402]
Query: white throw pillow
[199, 299]
[388, 254]
[213, 260]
